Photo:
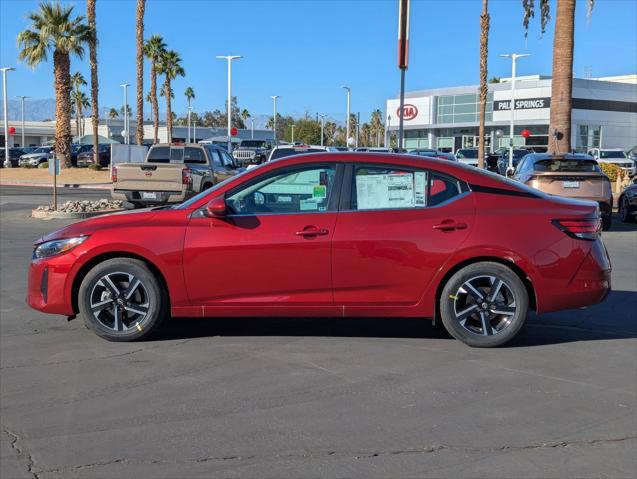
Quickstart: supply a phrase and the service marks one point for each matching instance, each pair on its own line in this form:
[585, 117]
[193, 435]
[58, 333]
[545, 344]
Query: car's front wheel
[120, 299]
[484, 304]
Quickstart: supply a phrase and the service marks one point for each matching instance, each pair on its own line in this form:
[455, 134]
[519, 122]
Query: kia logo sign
[409, 112]
[148, 173]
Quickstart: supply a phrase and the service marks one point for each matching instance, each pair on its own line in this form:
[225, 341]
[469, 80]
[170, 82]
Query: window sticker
[309, 204]
[420, 189]
[385, 191]
[319, 191]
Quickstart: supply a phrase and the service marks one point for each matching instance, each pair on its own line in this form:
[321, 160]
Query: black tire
[607, 221]
[624, 211]
[108, 314]
[457, 298]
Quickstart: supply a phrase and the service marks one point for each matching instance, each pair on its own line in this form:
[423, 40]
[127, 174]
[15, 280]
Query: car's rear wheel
[122, 300]
[607, 221]
[624, 211]
[484, 305]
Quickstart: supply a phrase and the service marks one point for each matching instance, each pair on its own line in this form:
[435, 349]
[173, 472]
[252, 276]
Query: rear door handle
[311, 231]
[450, 225]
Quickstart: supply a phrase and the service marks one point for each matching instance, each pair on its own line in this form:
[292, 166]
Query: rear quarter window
[159, 154]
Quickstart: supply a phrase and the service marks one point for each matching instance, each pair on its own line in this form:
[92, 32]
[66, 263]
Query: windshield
[283, 152]
[567, 165]
[611, 154]
[472, 154]
[42, 150]
[252, 144]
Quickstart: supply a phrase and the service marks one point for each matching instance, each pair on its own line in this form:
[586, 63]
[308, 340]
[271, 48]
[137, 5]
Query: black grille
[44, 284]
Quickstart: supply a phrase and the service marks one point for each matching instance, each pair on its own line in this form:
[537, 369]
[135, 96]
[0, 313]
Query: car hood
[30, 156]
[86, 227]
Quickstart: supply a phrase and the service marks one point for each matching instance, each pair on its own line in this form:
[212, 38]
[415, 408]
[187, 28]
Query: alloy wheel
[484, 305]
[119, 301]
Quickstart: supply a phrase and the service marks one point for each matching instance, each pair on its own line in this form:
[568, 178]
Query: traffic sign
[526, 133]
[54, 161]
[234, 131]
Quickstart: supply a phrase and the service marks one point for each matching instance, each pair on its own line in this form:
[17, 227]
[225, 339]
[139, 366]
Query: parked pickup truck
[252, 152]
[171, 174]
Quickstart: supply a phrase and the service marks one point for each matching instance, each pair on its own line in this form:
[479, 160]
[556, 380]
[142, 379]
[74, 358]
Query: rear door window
[381, 188]
[177, 155]
[159, 154]
[194, 155]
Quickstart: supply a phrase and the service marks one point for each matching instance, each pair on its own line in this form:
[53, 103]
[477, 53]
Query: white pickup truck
[615, 156]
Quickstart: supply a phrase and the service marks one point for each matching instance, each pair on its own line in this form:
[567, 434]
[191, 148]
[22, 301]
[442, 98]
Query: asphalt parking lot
[313, 397]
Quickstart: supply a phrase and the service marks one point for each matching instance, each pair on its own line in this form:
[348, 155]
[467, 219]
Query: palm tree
[484, 51]
[55, 29]
[77, 81]
[112, 113]
[377, 125]
[190, 94]
[245, 114]
[81, 101]
[149, 99]
[139, 131]
[92, 56]
[154, 49]
[169, 66]
[562, 76]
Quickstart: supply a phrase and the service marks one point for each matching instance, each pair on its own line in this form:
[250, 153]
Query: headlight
[51, 248]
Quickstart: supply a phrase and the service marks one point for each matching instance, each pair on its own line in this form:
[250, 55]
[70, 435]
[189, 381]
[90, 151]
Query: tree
[494, 80]
[77, 81]
[169, 66]
[190, 95]
[329, 130]
[139, 131]
[55, 29]
[154, 48]
[123, 111]
[80, 100]
[562, 76]
[245, 114]
[112, 113]
[92, 56]
[484, 51]
[377, 125]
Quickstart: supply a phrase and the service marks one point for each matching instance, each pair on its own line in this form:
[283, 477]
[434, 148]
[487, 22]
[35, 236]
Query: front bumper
[48, 288]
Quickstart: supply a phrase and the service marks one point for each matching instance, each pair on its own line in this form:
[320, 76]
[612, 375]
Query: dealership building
[604, 114]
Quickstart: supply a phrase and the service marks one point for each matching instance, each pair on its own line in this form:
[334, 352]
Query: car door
[399, 228]
[219, 170]
[272, 253]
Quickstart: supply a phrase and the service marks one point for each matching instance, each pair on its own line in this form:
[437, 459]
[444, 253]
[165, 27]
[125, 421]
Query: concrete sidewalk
[93, 186]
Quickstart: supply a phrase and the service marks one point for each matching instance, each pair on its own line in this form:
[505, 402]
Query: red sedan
[332, 235]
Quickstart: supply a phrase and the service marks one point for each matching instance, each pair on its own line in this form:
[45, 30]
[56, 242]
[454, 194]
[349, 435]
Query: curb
[84, 186]
[60, 215]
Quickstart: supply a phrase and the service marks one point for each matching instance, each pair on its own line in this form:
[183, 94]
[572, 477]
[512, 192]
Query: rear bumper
[589, 285]
[162, 197]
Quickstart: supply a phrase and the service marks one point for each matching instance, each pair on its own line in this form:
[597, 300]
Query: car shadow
[618, 226]
[613, 319]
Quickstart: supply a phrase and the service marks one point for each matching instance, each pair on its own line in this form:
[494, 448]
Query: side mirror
[216, 208]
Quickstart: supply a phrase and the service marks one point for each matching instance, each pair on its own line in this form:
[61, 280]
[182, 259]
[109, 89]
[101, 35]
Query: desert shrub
[94, 167]
[44, 165]
[26, 165]
[611, 170]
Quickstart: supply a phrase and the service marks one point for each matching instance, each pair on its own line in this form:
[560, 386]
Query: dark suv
[252, 152]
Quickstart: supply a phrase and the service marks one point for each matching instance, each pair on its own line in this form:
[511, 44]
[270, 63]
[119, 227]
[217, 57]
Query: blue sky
[305, 50]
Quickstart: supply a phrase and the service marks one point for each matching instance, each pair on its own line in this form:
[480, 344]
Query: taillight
[585, 228]
[114, 174]
[186, 176]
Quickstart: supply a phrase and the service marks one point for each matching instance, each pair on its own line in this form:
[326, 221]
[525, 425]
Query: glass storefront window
[460, 99]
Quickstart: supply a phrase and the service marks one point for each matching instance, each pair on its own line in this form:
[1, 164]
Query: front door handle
[450, 225]
[311, 231]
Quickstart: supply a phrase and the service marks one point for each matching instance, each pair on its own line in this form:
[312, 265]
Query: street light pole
[7, 158]
[127, 133]
[229, 59]
[252, 128]
[22, 98]
[322, 127]
[514, 57]
[292, 126]
[349, 92]
[274, 97]
[194, 130]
